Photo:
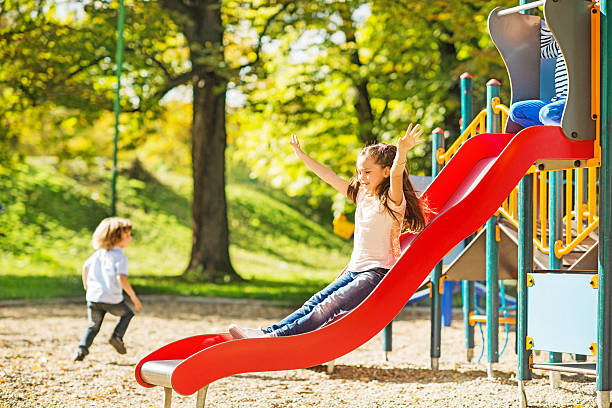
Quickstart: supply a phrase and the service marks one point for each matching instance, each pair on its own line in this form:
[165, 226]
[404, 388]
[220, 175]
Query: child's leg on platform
[527, 113]
[551, 114]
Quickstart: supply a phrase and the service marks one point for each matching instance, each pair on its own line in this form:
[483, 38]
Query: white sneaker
[238, 332]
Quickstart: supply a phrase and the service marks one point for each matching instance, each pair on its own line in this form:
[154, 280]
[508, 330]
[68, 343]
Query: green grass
[50, 212]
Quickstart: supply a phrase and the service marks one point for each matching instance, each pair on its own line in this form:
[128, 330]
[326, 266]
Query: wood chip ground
[37, 342]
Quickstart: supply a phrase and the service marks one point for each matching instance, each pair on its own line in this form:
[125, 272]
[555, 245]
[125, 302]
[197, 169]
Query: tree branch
[263, 33]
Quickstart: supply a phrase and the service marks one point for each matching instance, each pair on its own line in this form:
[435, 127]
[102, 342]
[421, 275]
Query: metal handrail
[520, 8]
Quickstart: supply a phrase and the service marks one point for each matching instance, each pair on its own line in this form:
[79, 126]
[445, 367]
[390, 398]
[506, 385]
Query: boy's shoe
[117, 343]
[238, 332]
[80, 354]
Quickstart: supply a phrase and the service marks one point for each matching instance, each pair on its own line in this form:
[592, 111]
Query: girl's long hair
[383, 155]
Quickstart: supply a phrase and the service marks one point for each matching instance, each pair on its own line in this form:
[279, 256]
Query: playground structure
[479, 178]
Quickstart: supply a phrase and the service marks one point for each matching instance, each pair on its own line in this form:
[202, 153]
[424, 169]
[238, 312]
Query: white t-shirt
[376, 238]
[103, 268]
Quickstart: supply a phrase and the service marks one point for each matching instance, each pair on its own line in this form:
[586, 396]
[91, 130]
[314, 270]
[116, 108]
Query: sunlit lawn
[49, 217]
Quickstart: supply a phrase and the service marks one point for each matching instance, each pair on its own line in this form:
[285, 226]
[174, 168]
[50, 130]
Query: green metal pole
[604, 308]
[117, 106]
[436, 299]
[525, 266]
[467, 287]
[492, 273]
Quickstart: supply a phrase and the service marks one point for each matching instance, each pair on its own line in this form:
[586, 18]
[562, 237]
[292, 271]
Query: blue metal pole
[467, 287]
[493, 126]
[436, 309]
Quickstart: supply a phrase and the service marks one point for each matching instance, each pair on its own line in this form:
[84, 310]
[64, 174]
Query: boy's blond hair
[110, 231]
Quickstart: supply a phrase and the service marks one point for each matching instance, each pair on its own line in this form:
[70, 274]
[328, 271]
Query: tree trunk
[203, 28]
[210, 259]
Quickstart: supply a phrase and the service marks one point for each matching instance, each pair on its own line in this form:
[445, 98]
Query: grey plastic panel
[562, 312]
[517, 38]
[570, 23]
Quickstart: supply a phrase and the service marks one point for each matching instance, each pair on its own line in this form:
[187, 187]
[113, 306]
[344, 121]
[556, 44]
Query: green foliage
[51, 210]
[408, 57]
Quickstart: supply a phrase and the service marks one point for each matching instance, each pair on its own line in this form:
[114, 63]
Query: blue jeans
[342, 295]
[95, 315]
[537, 112]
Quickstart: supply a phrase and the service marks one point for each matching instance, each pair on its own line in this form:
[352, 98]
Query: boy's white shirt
[376, 238]
[103, 268]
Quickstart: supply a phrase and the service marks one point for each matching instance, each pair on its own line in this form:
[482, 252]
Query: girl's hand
[410, 139]
[295, 143]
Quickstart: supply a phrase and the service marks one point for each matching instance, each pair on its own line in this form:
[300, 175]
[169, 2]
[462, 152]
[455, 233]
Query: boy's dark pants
[95, 315]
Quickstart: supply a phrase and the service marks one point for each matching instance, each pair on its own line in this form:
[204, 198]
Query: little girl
[386, 205]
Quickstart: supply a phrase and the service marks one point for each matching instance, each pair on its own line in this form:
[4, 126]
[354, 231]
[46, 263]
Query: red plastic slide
[465, 194]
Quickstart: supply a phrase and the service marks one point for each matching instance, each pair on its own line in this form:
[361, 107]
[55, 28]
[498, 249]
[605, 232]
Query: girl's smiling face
[370, 174]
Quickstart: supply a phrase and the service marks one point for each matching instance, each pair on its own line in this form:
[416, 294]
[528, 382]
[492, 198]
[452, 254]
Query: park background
[213, 89]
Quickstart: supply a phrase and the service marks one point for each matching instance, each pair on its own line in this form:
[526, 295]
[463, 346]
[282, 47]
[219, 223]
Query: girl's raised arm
[404, 143]
[325, 173]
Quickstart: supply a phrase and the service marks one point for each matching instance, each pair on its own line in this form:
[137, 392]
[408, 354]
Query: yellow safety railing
[478, 126]
[580, 192]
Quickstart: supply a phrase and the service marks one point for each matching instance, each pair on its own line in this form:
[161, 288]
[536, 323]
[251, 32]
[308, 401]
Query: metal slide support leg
[555, 376]
[167, 397]
[522, 395]
[467, 290]
[201, 397]
[387, 338]
[330, 366]
[603, 399]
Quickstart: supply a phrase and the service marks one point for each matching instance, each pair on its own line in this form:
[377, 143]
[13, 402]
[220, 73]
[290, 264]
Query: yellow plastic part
[430, 285]
[497, 233]
[343, 227]
[530, 280]
[595, 282]
[528, 343]
[593, 348]
[441, 285]
[530, 360]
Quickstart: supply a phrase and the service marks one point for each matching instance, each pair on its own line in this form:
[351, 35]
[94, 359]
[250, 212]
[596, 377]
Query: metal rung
[574, 368]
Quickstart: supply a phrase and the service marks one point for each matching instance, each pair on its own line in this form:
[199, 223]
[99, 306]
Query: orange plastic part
[463, 196]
